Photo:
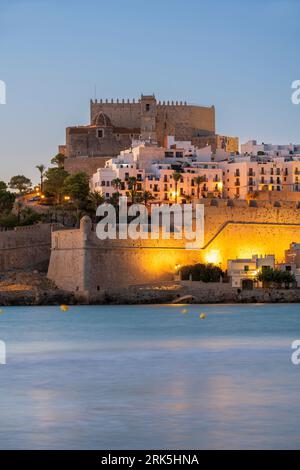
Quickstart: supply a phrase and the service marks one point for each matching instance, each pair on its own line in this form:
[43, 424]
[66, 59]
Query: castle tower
[148, 117]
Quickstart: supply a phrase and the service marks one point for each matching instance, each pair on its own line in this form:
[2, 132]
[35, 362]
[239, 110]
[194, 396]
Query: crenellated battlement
[133, 101]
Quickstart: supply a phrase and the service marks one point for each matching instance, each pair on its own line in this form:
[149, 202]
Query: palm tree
[114, 200]
[176, 178]
[19, 206]
[132, 182]
[95, 199]
[117, 183]
[199, 180]
[145, 197]
[41, 169]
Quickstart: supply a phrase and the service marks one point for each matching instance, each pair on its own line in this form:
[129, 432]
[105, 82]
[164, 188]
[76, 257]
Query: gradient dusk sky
[241, 56]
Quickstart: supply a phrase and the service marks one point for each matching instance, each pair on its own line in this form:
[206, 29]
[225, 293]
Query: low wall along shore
[25, 248]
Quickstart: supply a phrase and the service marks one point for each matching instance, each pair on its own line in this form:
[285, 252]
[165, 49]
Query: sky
[241, 56]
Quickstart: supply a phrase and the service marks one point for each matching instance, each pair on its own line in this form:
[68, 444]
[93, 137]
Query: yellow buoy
[202, 316]
[64, 308]
[184, 310]
[1, 311]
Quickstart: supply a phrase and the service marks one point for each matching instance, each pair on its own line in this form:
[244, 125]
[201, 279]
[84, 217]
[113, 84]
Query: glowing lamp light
[213, 257]
[220, 186]
[67, 198]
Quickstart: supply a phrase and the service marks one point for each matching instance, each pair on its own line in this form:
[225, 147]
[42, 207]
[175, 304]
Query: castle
[114, 125]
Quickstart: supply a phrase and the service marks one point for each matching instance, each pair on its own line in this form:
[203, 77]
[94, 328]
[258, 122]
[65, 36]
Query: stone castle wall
[180, 120]
[88, 165]
[81, 262]
[25, 248]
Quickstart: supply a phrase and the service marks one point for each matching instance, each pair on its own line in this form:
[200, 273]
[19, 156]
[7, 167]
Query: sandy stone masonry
[81, 263]
[115, 125]
[25, 247]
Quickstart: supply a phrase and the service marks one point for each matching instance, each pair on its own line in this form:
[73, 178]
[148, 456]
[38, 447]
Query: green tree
[117, 184]
[21, 183]
[94, 200]
[199, 180]
[275, 276]
[176, 179]
[145, 197]
[54, 181]
[77, 187]
[8, 220]
[7, 198]
[132, 183]
[114, 200]
[29, 217]
[3, 186]
[19, 207]
[42, 170]
[59, 160]
[201, 272]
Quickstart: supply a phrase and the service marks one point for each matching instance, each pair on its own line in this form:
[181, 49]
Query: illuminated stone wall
[81, 262]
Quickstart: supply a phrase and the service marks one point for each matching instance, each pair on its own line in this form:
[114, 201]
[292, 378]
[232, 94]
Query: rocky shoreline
[33, 289]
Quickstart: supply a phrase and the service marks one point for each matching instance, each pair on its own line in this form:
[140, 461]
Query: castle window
[100, 133]
[147, 107]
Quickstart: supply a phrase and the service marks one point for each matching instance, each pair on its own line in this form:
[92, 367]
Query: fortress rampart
[25, 247]
[169, 117]
[81, 262]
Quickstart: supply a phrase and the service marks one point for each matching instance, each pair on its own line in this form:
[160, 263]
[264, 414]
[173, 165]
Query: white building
[153, 167]
[243, 176]
[239, 177]
[253, 148]
[243, 272]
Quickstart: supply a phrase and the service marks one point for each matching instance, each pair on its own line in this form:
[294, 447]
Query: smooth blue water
[131, 377]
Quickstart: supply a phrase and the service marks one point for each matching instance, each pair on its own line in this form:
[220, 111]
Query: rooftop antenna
[95, 92]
